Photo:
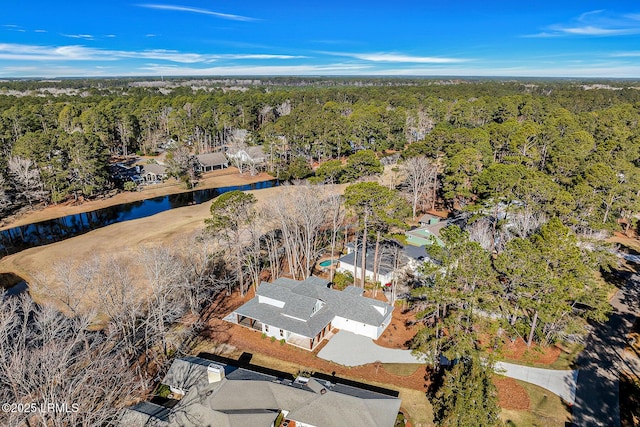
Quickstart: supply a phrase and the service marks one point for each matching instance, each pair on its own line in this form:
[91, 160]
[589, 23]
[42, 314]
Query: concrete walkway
[349, 349]
[560, 382]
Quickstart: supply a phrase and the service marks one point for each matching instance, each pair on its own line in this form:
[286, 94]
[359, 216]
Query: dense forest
[571, 147]
[526, 170]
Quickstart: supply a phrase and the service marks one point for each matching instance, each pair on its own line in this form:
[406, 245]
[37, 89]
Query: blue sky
[578, 38]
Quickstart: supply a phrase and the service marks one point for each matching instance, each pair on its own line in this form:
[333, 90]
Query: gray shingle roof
[273, 316]
[187, 372]
[385, 265]
[154, 168]
[346, 304]
[145, 414]
[212, 159]
[248, 398]
[299, 299]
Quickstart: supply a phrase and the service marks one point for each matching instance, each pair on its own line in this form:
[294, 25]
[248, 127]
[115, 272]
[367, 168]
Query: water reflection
[42, 233]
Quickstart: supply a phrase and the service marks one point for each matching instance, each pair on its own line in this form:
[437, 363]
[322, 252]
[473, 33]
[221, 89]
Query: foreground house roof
[244, 397]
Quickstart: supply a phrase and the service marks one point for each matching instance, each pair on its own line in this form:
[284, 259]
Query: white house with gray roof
[236, 396]
[303, 312]
[212, 161]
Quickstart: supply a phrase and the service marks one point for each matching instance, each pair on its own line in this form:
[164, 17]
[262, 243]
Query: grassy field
[123, 240]
[401, 369]
[545, 409]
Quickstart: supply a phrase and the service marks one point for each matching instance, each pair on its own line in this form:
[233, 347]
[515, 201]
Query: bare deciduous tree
[421, 176]
[50, 359]
[5, 199]
[481, 231]
[525, 221]
[301, 215]
[26, 179]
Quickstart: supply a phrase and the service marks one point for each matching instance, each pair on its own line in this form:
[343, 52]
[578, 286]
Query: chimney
[215, 373]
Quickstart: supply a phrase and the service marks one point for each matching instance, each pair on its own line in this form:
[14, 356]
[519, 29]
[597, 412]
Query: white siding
[270, 301]
[384, 324]
[355, 327]
[274, 331]
[348, 268]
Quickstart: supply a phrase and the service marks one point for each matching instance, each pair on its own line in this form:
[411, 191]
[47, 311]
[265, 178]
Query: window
[281, 333]
[266, 328]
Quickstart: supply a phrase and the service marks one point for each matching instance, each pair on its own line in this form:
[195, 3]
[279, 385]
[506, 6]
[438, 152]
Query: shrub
[273, 339]
[163, 391]
[264, 335]
[282, 341]
[342, 280]
[130, 186]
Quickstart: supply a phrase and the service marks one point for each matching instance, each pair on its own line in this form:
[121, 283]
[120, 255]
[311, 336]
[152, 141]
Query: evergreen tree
[467, 396]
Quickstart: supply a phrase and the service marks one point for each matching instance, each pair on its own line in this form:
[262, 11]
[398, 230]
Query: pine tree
[467, 397]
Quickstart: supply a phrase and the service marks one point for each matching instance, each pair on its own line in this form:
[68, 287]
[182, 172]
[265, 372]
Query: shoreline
[211, 180]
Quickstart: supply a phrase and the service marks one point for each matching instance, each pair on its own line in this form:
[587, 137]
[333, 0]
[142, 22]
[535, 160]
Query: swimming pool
[327, 263]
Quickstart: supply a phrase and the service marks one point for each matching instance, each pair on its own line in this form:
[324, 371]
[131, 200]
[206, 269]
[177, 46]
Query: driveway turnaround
[562, 383]
[349, 349]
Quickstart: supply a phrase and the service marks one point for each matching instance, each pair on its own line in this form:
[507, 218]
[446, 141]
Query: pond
[16, 239]
[12, 284]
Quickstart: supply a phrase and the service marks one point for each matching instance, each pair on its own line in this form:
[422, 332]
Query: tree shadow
[600, 363]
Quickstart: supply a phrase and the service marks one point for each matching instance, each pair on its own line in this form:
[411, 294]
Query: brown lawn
[511, 395]
[400, 331]
[517, 350]
[171, 228]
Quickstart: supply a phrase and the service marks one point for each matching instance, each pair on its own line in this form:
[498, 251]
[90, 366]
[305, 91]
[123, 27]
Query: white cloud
[260, 70]
[198, 10]
[40, 31]
[630, 54]
[595, 23]
[20, 52]
[79, 36]
[395, 57]
[338, 69]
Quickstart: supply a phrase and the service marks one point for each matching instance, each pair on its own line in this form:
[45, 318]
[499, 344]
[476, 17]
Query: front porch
[247, 322]
[307, 343]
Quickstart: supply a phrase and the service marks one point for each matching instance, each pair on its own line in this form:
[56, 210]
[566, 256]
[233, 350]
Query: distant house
[303, 312]
[429, 219]
[152, 172]
[393, 260]
[253, 155]
[212, 161]
[224, 395]
[429, 231]
[250, 157]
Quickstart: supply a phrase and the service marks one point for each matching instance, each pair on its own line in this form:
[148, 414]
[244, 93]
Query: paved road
[597, 397]
[349, 349]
